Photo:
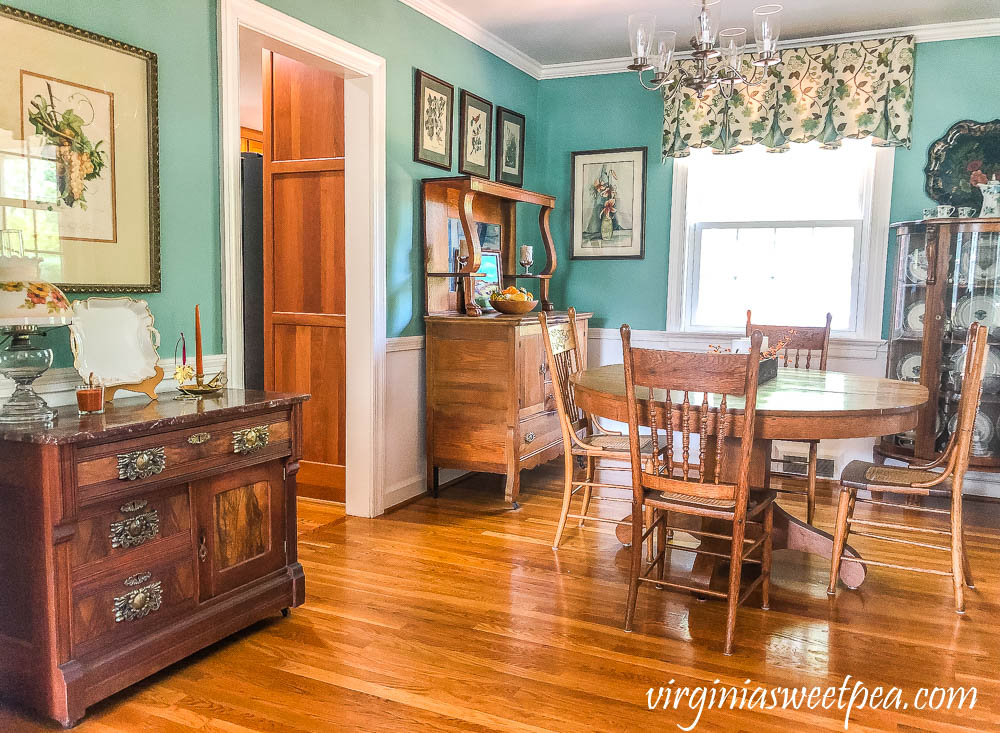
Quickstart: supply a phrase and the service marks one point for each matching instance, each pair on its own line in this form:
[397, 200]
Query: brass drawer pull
[141, 463]
[250, 440]
[199, 438]
[140, 602]
[134, 531]
[529, 437]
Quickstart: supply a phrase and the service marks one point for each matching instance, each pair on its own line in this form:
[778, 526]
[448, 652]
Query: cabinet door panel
[241, 527]
[531, 358]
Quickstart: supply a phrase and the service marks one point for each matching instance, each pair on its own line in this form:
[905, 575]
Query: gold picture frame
[83, 135]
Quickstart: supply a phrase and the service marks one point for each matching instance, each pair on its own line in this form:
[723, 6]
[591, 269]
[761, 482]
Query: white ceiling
[565, 31]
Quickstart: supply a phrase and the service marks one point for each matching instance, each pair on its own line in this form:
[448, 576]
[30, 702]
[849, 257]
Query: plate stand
[146, 387]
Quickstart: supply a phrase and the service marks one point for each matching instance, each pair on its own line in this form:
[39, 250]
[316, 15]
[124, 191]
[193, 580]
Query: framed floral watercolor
[78, 132]
[433, 107]
[510, 147]
[475, 135]
[608, 208]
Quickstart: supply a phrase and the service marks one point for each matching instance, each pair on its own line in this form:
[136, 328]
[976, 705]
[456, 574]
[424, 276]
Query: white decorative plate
[908, 368]
[986, 269]
[992, 362]
[982, 308]
[114, 339]
[916, 266]
[913, 317]
[982, 433]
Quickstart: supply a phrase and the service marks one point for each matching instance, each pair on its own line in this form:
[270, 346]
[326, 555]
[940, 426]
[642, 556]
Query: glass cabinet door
[972, 295]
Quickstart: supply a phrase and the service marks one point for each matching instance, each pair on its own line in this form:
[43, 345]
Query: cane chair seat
[899, 479]
[614, 444]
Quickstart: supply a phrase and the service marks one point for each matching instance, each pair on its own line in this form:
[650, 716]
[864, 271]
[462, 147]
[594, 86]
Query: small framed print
[608, 208]
[475, 130]
[433, 106]
[510, 147]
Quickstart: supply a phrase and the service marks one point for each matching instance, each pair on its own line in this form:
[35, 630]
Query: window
[791, 236]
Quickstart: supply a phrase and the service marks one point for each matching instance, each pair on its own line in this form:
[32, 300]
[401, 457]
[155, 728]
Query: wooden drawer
[137, 599]
[118, 469]
[538, 433]
[121, 530]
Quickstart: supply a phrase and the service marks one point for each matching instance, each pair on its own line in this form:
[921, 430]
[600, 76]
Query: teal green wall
[613, 111]
[563, 115]
[183, 35]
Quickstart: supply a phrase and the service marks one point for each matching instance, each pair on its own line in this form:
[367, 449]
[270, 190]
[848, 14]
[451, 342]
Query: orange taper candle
[199, 364]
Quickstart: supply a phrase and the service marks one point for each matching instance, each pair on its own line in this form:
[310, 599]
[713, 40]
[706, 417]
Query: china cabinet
[947, 276]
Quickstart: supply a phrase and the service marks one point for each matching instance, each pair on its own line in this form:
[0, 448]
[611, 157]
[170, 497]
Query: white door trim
[366, 307]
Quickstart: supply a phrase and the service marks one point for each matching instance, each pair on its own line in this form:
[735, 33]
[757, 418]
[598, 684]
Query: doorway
[322, 217]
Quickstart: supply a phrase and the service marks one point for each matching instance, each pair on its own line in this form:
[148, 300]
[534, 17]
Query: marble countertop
[137, 416]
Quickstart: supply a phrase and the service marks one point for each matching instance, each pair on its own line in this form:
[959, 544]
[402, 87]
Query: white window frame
[871, 248]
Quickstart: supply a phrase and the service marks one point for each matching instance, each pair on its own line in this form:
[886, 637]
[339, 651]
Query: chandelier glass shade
[719, 55]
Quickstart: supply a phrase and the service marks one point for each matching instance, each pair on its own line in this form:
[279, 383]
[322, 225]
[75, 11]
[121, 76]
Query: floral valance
[825, 93]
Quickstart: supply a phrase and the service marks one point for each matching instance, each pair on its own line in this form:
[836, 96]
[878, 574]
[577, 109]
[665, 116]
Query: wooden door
[241, 527]
[304, 299]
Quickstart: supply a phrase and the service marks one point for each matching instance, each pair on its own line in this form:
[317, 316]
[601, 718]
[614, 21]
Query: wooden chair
[657, 484]
[583, 435]
[920, 480]
[799, 339]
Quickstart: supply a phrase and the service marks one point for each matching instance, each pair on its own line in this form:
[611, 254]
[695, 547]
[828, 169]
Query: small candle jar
[90, 399]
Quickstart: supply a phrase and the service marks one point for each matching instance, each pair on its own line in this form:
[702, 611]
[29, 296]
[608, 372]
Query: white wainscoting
[406, 464]
[604, 346]
[58, 386]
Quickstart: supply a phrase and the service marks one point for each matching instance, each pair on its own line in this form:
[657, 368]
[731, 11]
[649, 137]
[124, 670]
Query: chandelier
[718, 54]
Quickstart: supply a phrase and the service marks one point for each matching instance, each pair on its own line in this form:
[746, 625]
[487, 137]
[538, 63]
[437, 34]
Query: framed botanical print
[608, 208]
[510, 147]
[78, 124]
[433, 107]
[475, 135]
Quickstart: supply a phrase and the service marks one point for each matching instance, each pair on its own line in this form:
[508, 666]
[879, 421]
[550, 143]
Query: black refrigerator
[252, 180]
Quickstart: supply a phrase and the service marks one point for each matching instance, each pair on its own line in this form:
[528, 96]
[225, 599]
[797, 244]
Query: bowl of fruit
[513, 301]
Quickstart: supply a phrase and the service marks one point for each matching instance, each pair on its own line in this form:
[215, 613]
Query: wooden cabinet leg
[513, 488]
[433, 480]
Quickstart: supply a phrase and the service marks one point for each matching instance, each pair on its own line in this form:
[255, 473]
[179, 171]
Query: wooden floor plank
[456, 615]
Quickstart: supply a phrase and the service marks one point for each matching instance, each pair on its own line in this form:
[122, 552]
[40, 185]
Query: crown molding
[921, 34]
[472, 31]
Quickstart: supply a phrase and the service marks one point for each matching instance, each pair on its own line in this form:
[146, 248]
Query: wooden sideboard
[490, 403]
[132, 539]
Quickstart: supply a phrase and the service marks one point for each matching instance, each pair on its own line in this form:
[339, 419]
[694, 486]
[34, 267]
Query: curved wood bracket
[474, 260]
[550, 256]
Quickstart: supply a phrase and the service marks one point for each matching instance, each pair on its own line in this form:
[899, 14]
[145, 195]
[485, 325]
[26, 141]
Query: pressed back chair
[806, 347]
[920, 480]
[712, 489]
[584, 437]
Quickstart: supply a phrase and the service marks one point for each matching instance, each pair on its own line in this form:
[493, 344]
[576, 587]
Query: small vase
[607, 228]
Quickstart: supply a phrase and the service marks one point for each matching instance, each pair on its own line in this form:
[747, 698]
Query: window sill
[841, 347]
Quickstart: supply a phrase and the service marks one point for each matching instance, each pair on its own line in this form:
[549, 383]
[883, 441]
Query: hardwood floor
[456, 614]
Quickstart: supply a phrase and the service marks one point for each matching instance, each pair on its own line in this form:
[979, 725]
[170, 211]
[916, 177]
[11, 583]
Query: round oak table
[798, 404]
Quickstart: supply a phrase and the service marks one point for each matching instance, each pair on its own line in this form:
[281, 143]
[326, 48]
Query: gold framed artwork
[79, 168]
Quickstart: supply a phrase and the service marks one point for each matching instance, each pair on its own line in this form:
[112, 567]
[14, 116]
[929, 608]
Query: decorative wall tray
[114, 339]
[968, 154]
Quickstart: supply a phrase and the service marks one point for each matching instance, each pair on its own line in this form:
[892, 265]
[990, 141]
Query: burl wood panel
[309, 242]
[93, 605]
[92, 541]
[308, 107]
[241, 529]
